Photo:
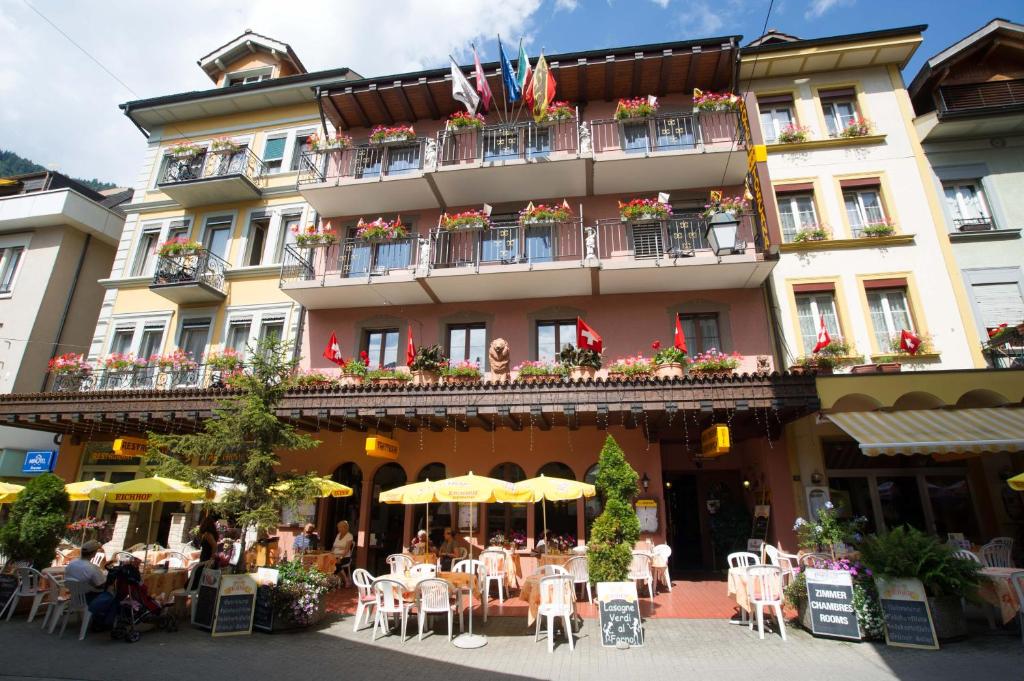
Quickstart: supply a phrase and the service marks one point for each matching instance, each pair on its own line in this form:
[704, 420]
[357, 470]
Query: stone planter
[388, 382]
[881, 368]
[620, 376]
[671, 370]
[348, 380]
[537, 378]
[282, 623]
[948, 617]
[426, 377]
[582, 373]
[645, 217]
[461, 380]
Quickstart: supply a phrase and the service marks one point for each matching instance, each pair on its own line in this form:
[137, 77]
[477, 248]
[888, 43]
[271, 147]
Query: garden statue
[591, 245]
[423, 268]
[497, 359]
[585, 145]
[430, 153]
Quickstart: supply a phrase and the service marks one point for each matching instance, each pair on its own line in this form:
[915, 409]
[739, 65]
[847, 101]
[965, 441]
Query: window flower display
[636, 366]
[225, 144]
[832, 356]
[179, 246]
[874, 230]
[312, 236]
[715, 362]
[460, 120]
[531, 372]
[185, 150]
[793, 134]
[715, 101]
[387, 377]
[559, 111]
[382, 134]
[644, 209]
[179, 360]
[313, 379]
[543, 213]
[227, 360]
[636, 107]
[69, 363]
[381, 230]
[812, 233]
[466, 220]
[339, 141]
[669, 361]
[860, 127]
[466, 371]
[728, 204]
[123, 361]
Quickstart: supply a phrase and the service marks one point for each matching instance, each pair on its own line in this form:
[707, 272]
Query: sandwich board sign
[908, 621]
[205, 600]
[830, 602]
[619, 613]
[266, 582]
[236, 600]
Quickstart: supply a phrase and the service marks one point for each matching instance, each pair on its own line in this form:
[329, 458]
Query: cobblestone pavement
[675, 649]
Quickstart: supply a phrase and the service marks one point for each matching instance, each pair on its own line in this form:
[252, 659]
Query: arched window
[561, 515]
[344, 508]
[440, 514]
[386, 520]
[506, 518]
[593, 506]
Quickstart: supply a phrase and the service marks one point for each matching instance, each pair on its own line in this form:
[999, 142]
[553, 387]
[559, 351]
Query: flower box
[424, 377]
[383, 134]
[179, 246]
[463, 120]
[879, 368]
[715, 101]
[669, 370]
[582, 373]
[465, 221]
[339, 141]
[711, 373]
[381, 230]
[461, 379]
[636, 108]
[878, 230]
[70, 363]
[543, 214]
[349, 380]
[559, 111]
[793, 134]
[639, 210]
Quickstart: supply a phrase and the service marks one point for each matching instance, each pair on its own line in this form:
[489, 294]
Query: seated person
[448, 550]
[420, 545]
[542, 544]
[83, 570]
[342, 547]
[307, 541]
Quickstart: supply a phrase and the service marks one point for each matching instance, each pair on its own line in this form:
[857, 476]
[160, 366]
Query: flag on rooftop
[462, 89]
[482, 86]
[508, 76]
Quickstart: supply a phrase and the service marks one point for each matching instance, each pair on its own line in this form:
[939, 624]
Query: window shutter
[840, 93]
[272, 318]
[999, 303]
[860, 182]
[241, 320]
[274, 149]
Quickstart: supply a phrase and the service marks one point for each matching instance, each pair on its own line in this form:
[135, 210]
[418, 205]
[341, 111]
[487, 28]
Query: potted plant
[860, 127]
[70, 371]
[715, 363]
[179, 246]
[388, 378]
[825, 361]
[84, 529]
[580, 362]
[427, 365]
[793, 134]
[463, 120]
[715, 101]
[339, 141]
[123, 362]
[733, 205]
[174, 362]
[300, 596]
[636, 107]
[905, 552]
[312, 236]
[814, 233]
[381, 230]
[537, 372]
[383, 134]
[542, 213]
[465, 221]
[638, 210]
[497, 540]
[185, 150]
[669, 362]
[875, 230]
[354, 371]
[36, 522]
[559, 111]
[461, 373]
[629, 368]
[228, 359]
[225, 144]
[313, 379]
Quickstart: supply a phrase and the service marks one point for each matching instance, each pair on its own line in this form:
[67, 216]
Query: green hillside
[12, 164]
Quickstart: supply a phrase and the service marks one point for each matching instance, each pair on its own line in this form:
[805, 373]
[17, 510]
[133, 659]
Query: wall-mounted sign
[382, 447]
[100, 453]
[130, 447]
[714, 441]
[39, 462]
[647, 514]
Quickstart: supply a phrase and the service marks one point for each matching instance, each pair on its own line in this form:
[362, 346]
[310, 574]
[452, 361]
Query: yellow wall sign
[382, 447]
[130, 447]
[714, 441]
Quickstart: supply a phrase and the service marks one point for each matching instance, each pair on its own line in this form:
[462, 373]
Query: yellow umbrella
[544, 489]
[413, 493]
[9, 492]
[79, 491]
[1016, 482]
[327, 488]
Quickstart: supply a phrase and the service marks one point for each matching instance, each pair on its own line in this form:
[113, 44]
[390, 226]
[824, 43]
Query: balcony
[214, 176]
[974, 111]
[190, 278]
[972, 98]
[142, 378]
[516, 162]
[636, 155]
[369, 179]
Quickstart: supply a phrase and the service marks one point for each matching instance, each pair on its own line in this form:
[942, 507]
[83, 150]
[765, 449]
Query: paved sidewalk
[676, 649]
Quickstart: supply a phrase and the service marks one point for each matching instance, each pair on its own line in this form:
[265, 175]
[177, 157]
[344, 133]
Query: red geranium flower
[656, 345]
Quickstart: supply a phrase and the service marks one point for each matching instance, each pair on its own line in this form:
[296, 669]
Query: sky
[60, 108]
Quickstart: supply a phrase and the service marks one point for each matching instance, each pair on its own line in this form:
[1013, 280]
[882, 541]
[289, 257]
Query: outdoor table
[738, 588]
[323, 561]
[559, 559]
[531, 594]
[996, 589]
[458, 581]
[161, 584]
[421, 558]
[659, 568]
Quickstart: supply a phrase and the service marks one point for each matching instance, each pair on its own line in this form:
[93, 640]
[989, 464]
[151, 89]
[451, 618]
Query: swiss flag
[332, 352]
[909, 343]
[410, 350]
[587, 338]
[823, 338]
[680, 339]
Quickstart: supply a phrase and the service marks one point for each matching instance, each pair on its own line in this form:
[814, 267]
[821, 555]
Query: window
[553, 336]
[273, 153]
[246, 77]
[217, 235]
[381, 345]
[776, 115]
[890, 314]
[966, 204]
[999, 302]
[300, 146]
[178, 229]
[9, 260]
[287, 236]
[797, 213]
[468, 342]
[259, 229]
[195, 334]
[863, 208]
[238, 334]
[840, 109]
[701, 331]
[121, 341]
[152, 340]
[145, 251]
[272, 328]
[810, 308]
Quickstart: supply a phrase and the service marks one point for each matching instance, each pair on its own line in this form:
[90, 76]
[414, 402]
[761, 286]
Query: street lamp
[721, 233]
[645, 481]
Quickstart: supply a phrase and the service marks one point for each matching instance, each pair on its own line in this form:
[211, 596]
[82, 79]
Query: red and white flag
[410, 350]
[332, 352]
[909, 343]
[680, 339]
[823, 338]
[482, 86]
[587, 338]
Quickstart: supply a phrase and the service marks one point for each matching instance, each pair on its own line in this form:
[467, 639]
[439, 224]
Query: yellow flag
[543, 85]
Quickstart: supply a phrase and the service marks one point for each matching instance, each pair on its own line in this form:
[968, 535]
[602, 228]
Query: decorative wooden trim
[825, 144]
[839, 244]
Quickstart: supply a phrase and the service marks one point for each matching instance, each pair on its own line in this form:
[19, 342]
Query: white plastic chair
[366, 601]
[996, 553]
[664, 551]
[579, 569]
[399, 563]
[764, 590]
[28, 587]
[549, 570]
[423, 570]
[959, 543]
[388, 594]
[1017, 580]
[494, 561]
[555, 601]
[48, 598]
[434, 597]
[968, 555]
[743, 559]
[640, 570]
[76, 603]
[813, 560]
[469, 566]
[788, 563]
[124, 556]
[99, 560]
[178, 560]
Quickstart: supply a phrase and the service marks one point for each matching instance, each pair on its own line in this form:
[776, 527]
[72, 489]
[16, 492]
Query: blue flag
[508, 76]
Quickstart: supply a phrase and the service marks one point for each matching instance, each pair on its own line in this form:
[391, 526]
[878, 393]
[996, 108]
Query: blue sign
[39, 462]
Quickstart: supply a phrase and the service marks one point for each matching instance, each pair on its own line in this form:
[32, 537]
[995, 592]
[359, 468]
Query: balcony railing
[526, 140]
[682, 236]
[507, 244]
[351, 258]
[974, 96]
[140, 378]
[200, 267]
[979, 224]
[213, 164]
[363, 162]
[664, 132]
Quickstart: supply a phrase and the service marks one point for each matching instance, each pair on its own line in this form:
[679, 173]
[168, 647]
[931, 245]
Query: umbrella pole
[470, 640]
[544, 512]
[149, 529]
[87, 501]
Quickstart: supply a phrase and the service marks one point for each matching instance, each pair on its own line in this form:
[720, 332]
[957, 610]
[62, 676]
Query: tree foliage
[616, 531]
[241, 441]
[37, 521]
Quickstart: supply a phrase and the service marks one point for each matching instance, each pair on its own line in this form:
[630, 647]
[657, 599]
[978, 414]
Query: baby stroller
[135, 606]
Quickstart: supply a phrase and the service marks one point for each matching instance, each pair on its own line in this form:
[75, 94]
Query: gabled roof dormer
[250, 58]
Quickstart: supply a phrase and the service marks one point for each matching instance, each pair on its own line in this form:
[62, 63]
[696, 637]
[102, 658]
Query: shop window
[468, 342]
[345, 508]
[952, 509]
[810, 308]
[552, 336]
[966, 203]
[839, 108]
[797, 214]
[381, 346]
[701, 331]
[890, 315]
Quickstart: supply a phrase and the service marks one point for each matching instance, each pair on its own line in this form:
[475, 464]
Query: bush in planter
[793, 134]
[37, 521]
[465, 370]
[312, 378]
[834, 355]
[531, 370]
[299, 594]
[908, 552]
[668, 355]
[429, 358]
[355, 367]
[615, 532]
[878, 229]
[387, 375]
[631, 367]
[571, 356]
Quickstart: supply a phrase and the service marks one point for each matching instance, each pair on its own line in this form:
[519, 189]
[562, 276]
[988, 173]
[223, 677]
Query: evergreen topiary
[37, 521]
[616, 531]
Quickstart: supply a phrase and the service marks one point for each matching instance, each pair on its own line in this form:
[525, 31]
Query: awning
[934, 431]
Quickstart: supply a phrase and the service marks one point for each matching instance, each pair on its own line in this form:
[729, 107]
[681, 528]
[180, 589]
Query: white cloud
[699, 19]
[816, 8]
[661, 3]
[60, 106]
[567, 5]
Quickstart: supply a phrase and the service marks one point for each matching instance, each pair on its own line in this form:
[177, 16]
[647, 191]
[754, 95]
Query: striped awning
[934, 431]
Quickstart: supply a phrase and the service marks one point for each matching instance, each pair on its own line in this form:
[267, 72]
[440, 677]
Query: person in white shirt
[83, 570]
[342, 547]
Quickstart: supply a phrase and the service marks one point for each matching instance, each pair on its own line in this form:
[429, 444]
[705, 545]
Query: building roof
[772, 37]
[216, 62]
[782, 45]
[42, 180]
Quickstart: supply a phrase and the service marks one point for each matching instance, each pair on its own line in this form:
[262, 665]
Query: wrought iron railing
[199, 267]
[665, 132]
[683, 235]
[507, 244]
[363, 162]
[979, 224]
[523, 140]
[141, 378]
[212, 164]
[972, 96]
[350, 258]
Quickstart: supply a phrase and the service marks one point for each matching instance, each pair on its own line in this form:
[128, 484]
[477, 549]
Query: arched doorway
[561, 514]
[593, 506]
[440, 514]
[386, 520]
[506, 518]
[345, 508]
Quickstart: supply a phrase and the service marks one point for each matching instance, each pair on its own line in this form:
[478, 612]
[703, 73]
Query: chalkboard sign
[8, 585]
[263, 616]
[619, 613]
[235, 603]
[206, 599]
[908, 621]
[830, 601]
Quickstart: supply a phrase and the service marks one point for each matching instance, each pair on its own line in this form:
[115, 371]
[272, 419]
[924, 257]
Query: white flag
[462, 90]
[662, 197]
[487, 209]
